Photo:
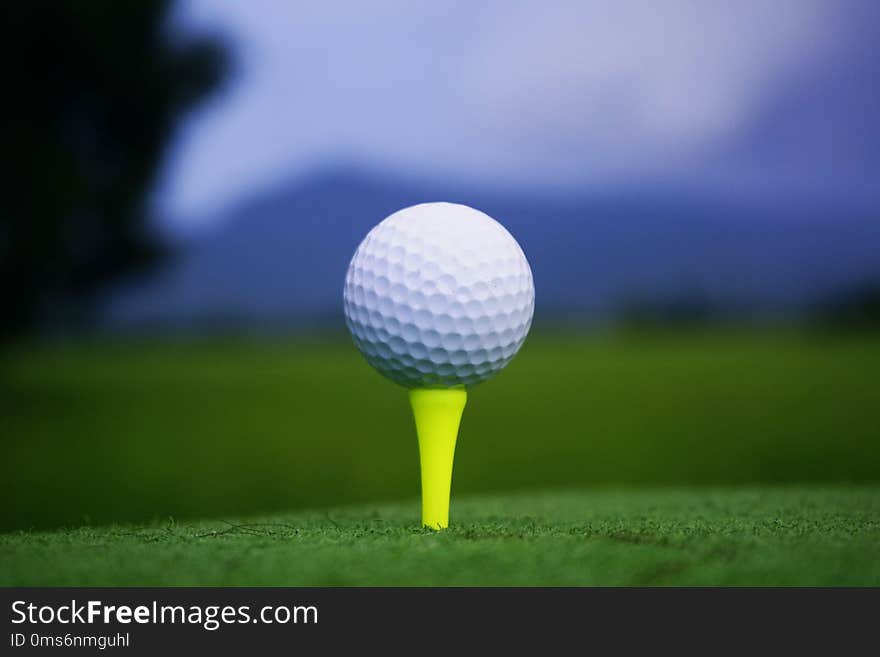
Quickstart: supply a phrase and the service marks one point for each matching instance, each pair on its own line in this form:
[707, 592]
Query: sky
[558, 95]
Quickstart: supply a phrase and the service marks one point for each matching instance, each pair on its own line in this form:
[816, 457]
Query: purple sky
[552, 94]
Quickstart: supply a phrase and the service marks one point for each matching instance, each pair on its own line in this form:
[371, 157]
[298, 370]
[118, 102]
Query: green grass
[101, 432]
[738, 536]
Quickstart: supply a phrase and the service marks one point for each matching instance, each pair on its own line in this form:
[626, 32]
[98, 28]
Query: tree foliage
[93, 92]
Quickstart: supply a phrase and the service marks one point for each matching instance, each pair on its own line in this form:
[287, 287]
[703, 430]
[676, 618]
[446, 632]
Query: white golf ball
[439, 295]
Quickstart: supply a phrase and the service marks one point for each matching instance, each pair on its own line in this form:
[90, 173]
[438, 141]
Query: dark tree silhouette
[856, 308]
[92, 91]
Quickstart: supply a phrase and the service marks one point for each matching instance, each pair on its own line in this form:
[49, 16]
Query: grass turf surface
[716, 536]
[127, 431]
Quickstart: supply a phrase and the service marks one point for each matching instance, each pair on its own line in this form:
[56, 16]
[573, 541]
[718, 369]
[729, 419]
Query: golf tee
[437, 414]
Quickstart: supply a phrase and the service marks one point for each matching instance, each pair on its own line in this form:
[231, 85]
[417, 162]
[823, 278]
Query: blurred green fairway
[102, 432]
[651, 537]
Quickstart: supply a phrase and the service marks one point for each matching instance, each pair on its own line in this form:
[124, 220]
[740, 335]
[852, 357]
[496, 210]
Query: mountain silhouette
[280, 258]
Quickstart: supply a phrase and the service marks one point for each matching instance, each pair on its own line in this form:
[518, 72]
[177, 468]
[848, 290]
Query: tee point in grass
[437, 414]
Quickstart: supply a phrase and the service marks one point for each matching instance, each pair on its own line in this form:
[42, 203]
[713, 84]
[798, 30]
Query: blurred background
[695, 185]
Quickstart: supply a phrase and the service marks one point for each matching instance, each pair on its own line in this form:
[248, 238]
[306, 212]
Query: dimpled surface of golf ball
[439, 295]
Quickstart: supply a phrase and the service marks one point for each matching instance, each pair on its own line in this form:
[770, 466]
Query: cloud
[558, 92]
[632, 83]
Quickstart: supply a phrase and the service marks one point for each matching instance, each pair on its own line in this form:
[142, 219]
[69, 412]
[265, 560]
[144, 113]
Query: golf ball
[439, 295]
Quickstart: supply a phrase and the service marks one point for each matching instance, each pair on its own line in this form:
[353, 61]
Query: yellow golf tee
[437, 414]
